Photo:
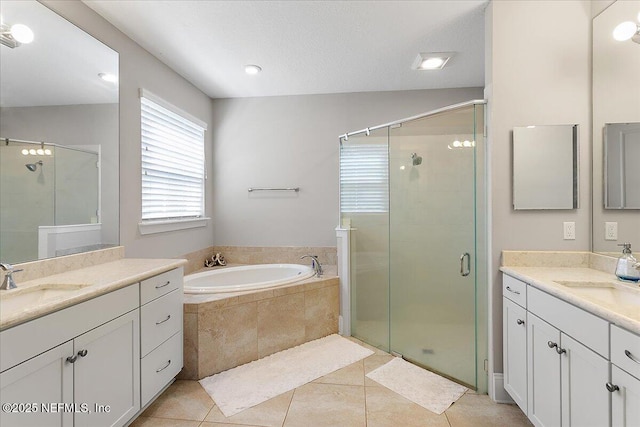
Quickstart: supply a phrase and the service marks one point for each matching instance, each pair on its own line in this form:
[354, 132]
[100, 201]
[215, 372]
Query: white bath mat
[248, 385]
[429, 390]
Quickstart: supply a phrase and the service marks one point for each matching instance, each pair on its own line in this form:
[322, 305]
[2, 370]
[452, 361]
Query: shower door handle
[463, 271]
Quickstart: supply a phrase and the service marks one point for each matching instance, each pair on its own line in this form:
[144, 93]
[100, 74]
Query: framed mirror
[545, 167]
[616, 108]
[58, 137]
[621, 171]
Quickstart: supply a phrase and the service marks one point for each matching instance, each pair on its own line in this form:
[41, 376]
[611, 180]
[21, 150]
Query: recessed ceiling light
[431, 61]
[111, 78]
[252, 69]
[627, 30]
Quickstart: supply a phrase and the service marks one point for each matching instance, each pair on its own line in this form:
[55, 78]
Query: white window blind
[173, 171]
[364, 178]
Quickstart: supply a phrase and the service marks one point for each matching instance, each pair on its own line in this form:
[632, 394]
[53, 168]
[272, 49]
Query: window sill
[163, 226]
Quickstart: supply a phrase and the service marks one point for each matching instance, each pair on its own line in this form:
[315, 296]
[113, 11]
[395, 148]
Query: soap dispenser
[625, 269]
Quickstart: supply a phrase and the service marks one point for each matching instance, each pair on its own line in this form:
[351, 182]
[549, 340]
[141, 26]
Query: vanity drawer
[625, 350]
[585, 327]
[159, 367]
[159, 320]
[159, 285]
[515, 290]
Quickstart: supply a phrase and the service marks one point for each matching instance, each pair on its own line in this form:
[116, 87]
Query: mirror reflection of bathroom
[621, 172]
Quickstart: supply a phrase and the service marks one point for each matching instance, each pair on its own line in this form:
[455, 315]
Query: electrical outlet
[569, 231]
[610, 231]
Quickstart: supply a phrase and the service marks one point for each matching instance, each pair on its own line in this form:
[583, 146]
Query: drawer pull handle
[162, 286]
[612, 387]
[520, 322]
[83, 352]
[72, 359]
[162, 321]
[511, 290]
[164, 367]
[631, 356]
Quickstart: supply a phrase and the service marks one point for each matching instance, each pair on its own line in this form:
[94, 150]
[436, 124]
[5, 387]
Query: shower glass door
[432, 243]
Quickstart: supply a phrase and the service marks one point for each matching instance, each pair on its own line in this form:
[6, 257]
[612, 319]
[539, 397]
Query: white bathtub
[245, 278]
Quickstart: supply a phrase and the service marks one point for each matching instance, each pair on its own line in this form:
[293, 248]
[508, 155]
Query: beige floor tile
[476, 410]
[328, 405]
[163, 422]
[375, 361]
[208, 424]
[349, 375]
[269, 414]
[183, 400]
[386, 408]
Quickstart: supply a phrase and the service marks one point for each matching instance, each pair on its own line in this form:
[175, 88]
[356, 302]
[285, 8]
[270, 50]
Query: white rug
[248, 385]
[429, 390]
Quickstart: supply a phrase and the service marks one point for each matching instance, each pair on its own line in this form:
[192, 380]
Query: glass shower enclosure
[412, 195]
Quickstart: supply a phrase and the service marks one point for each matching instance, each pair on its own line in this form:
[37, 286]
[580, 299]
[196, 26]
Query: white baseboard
[499, 394]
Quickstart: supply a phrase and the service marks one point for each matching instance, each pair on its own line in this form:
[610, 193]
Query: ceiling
[60, 66]
[306, 47]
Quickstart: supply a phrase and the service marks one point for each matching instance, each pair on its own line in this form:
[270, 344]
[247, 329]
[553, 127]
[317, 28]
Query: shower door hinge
[486, 365]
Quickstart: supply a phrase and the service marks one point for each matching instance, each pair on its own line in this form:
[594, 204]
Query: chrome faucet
[8, 282]
[315, 264]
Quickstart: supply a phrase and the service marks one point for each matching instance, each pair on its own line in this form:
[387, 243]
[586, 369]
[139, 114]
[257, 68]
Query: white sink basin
[606, 292]
[21, 298]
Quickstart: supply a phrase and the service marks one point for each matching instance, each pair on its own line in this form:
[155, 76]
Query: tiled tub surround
[222, 331]
[327, 255]
[543, 270]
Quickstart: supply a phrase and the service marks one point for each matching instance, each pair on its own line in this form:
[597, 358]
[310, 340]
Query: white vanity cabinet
[161, 331]
[97, 363]
[625, 378]
[515, 340]
[567, 352]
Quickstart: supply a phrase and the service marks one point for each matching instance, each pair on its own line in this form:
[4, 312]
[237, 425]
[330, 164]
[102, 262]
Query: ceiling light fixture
[627, 30]
[111, 78]
[431, 61]
[252, 69]
[15, 35]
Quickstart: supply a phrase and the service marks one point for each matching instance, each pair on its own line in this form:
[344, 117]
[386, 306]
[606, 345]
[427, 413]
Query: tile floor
[344, 398]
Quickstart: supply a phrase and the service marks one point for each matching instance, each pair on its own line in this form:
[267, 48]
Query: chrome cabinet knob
[520, 322]
[612, 387]
[82, 353]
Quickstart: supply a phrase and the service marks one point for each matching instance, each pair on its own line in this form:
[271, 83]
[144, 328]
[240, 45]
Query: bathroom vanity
[571, 346]
[92, 346]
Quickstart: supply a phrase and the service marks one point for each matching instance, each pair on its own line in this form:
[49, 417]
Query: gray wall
[292, 141]
[538, 73]
[139, 69]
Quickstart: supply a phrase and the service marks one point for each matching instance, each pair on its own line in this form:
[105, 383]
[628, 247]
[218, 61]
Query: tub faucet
[8, 282]
[315, 264]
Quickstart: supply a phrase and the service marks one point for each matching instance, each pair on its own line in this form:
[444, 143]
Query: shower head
[417, 160]
[33, 166]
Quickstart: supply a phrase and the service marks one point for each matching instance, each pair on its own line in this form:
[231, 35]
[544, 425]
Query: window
[173, 168]
[364, 178]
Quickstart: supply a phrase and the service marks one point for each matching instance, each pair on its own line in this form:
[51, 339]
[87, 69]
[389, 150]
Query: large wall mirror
[58, 137]
[616, 118]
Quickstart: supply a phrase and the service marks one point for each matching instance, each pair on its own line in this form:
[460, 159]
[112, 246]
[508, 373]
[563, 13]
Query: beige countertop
[606, 297]
[75, 286]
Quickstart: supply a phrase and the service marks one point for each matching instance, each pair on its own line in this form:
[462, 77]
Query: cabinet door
[543, 368]
[585, 399]
[514, 331]
[625, 411]
[107, 377]
[40, 382]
